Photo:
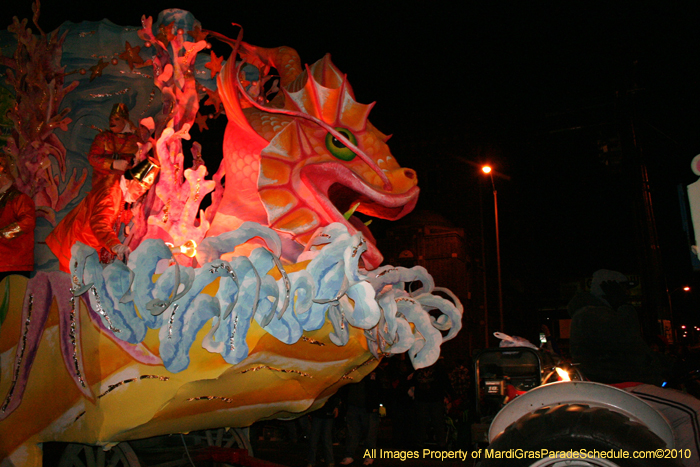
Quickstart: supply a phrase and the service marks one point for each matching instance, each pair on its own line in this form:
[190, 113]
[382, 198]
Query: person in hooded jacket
[605, 339]
[606, 343]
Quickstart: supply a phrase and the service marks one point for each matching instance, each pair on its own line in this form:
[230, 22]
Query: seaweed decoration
[39, 158]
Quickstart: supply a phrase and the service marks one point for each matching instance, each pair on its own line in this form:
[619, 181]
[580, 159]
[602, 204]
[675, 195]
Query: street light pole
[487, 170]
[483, 272]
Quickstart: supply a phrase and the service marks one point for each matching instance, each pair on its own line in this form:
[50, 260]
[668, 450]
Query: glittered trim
[72, 334]
[101, 310]
[171, 320]
[112, 387]
[214, 268]
[383, 344]
[312, 341]
[387, 271]
[281, 370]
[233, 334]
[347, 375]
[18, 362]
[110, 94]
[211, 398]
[136, 72]
[357, 248]
[406, 299]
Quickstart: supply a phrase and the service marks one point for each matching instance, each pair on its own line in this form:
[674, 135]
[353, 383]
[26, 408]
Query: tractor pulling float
[537, 411]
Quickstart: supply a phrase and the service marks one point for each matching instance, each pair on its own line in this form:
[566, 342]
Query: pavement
[288, 454]
[274, 443]
[275, 446]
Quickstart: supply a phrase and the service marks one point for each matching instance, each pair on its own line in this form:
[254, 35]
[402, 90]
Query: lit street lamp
[487, 170]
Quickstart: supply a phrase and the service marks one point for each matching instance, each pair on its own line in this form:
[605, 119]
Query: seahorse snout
[402, 179]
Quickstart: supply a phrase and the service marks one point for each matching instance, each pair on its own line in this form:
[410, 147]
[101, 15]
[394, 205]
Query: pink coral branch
[173, 214]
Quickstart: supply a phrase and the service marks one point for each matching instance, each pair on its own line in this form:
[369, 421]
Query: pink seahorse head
[310, 177]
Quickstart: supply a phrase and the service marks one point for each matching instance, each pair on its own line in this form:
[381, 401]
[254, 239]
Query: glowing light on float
[189, 248]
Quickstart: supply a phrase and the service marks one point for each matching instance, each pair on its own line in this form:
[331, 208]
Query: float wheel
[83, 455]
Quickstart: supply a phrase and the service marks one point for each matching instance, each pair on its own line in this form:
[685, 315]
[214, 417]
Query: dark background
[539, 89]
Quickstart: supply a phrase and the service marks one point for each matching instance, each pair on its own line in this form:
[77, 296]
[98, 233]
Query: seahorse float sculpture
[284, 304]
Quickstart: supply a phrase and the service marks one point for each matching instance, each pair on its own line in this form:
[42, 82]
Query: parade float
[261, 304]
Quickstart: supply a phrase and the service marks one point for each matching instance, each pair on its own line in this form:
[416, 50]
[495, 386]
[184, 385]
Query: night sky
[537, 88]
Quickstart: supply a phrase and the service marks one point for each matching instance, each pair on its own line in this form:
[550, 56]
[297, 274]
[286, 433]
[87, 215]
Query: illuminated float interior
[261, 304]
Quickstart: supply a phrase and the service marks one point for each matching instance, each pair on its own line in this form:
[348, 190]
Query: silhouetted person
[362, 416]
[605, 339]
[322, 429]
[401, 407]
[607, 344]
[432, 386]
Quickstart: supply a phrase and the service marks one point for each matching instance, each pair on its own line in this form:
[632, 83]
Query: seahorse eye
[337, 148]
